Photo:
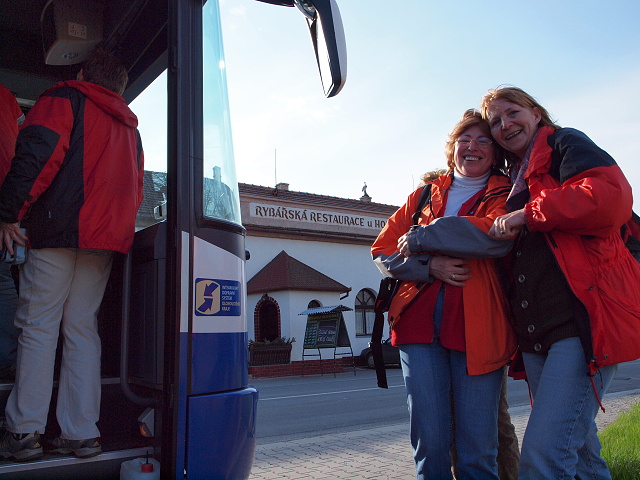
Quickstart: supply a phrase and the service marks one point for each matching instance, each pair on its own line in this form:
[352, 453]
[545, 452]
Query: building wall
[348, 264]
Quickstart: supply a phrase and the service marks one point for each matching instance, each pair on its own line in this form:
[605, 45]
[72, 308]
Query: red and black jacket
[579, 200]
[76, 178]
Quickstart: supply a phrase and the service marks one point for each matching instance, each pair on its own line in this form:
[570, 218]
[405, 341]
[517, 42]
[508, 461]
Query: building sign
[217, 297]
[321, 218]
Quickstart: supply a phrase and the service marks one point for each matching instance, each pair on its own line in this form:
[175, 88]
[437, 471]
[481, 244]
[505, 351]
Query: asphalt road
[290, 408]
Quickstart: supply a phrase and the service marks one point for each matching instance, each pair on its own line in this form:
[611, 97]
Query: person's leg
[562, 419]
[425, 368]
[8, 331]
[508, 449]
[475, 405]
[78, 407]
[591, 465]
[44, 285]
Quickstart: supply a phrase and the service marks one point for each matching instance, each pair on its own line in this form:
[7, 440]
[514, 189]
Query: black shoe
[80, 448]
[21, 447]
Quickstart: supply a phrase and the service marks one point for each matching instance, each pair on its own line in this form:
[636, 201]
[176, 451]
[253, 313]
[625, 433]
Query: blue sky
[413, 68]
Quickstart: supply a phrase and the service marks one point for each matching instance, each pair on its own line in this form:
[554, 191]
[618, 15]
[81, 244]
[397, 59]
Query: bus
[173, 320]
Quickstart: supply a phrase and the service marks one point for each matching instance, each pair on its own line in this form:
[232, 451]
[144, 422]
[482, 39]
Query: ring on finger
[453, 277]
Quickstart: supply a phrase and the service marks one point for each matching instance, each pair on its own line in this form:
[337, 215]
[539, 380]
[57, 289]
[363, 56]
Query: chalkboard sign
[326, 330]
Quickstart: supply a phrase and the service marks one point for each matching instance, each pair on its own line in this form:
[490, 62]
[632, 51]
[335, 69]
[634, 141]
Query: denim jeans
[436, 383]
[8, 331]
[561, 440]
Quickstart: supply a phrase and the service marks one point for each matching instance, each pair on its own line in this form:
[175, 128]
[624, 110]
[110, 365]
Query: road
[301, 407]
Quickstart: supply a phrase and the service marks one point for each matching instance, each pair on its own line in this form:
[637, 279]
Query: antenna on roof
[275, 165]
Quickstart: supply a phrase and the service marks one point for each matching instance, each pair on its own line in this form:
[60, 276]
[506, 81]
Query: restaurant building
[306, 251]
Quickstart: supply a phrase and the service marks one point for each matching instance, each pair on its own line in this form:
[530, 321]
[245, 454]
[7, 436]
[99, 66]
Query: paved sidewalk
[376, 454]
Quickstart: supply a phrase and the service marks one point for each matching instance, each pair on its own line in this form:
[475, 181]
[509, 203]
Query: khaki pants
[508, 450]
[60, 292]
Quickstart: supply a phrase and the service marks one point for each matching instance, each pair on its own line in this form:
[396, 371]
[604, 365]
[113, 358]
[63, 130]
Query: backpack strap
[425, 197]
[388, 288]
[630, 233]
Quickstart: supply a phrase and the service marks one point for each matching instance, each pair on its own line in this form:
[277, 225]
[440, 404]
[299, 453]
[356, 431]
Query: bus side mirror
[327, 34]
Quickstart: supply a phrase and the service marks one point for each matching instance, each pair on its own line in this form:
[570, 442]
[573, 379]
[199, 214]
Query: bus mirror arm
[124, 340]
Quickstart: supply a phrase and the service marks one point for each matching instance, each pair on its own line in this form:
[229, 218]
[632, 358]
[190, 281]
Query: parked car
[390, 354]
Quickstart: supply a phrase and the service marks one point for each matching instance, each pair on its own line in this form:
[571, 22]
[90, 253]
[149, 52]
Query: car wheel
[370, 362]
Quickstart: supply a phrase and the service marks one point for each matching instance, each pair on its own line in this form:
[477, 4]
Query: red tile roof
[286, 273]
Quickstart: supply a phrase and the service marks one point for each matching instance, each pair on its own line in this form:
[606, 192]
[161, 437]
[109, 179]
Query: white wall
[350, 265]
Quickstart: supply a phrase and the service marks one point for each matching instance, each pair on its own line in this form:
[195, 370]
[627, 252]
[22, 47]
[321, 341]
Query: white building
[307, 251]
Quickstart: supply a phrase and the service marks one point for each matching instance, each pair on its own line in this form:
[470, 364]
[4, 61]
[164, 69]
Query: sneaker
[80, 448]
[21, 447]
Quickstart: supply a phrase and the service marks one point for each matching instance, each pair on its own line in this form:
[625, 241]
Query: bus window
[151, 109]
[221, 199]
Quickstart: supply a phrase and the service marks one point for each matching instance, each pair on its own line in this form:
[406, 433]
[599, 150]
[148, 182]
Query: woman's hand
[403, 246]
[10, 232]
[450, 270]
[508, 226]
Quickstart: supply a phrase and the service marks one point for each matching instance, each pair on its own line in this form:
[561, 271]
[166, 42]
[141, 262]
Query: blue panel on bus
[218, 362]
[222, 435]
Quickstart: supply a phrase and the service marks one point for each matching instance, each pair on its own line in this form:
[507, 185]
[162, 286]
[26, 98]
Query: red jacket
[489, 338]
[10, 113]
[77, 174]
[580, 199]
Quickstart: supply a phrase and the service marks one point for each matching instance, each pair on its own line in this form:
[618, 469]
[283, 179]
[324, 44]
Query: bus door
[173, 321]
[215, 411]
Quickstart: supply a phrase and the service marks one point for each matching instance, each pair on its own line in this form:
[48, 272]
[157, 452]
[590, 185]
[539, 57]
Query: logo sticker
[217, 297]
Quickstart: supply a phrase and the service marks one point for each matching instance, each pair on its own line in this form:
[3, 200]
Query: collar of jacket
[541, 152]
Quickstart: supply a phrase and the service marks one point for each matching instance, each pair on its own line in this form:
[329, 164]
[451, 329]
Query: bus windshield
[221, 199]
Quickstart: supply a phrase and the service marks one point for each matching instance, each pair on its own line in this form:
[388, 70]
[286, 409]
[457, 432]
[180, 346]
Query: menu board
[326, 330]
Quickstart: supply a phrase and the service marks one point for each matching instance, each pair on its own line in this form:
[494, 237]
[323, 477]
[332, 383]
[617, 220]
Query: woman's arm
[593, 198]
[456, 237]
[416, 268]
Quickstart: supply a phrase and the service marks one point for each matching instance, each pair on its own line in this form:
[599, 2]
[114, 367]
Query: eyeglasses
[482, 141]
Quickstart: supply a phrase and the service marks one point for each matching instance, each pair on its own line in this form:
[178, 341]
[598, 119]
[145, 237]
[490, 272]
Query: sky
[413, 68]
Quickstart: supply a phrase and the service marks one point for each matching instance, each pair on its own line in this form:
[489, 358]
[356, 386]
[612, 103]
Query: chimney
[282, 186]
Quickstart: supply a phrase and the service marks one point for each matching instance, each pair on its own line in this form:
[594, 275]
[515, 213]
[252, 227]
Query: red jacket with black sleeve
[76, 178]
[580, 199]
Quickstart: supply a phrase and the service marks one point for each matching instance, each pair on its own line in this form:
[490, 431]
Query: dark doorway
[268, 321]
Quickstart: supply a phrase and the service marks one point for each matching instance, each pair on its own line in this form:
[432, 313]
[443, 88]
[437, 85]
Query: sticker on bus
[215, 297]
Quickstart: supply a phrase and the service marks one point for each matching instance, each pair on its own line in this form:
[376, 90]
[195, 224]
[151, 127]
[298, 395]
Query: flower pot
[270, 354]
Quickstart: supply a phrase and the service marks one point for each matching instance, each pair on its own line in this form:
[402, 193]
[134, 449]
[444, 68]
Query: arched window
[314, 304]
[365, 302]
[268, 321]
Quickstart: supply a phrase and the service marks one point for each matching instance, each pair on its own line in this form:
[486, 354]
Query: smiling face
[473, 159]
[512, 125]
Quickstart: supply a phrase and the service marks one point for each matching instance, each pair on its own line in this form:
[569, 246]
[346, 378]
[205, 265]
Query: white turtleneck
[462, 189]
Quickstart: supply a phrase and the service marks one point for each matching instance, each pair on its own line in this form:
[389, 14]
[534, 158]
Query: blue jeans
[8, 331]
[561, 440]
[437, 382]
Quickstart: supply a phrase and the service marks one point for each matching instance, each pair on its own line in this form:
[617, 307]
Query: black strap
[388, 288]
[425, 197]
[632, 243]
